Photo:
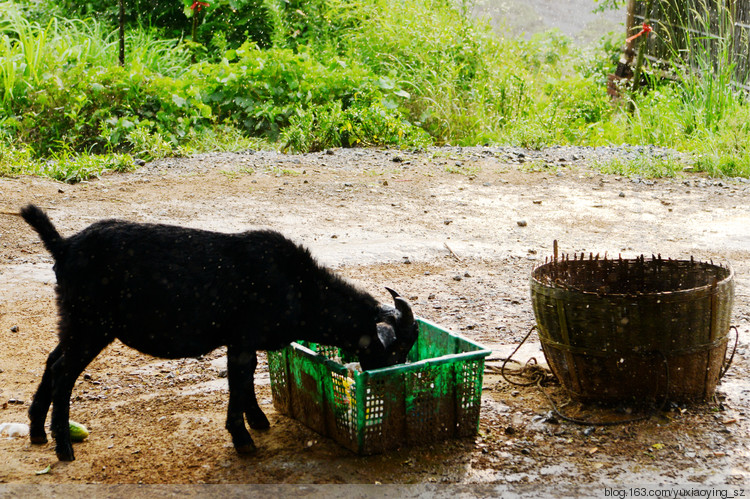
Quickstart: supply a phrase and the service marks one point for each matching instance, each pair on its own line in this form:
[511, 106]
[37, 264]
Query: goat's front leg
[42, 400]
[241, 363]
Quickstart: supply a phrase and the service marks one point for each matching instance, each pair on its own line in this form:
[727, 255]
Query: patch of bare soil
[458, 232]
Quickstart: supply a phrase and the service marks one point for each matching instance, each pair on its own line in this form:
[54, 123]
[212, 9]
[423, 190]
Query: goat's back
[174, 292]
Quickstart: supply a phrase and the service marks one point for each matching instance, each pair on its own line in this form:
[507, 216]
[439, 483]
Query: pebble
[14, 329]
[522, 223]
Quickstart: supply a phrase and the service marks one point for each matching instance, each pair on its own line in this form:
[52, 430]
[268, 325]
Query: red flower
[197, 6]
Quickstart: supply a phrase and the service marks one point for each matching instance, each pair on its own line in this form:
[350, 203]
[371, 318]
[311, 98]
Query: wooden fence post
[642, 47]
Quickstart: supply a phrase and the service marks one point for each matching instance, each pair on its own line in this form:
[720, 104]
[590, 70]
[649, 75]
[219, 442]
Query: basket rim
[723, 282]
[479, 352]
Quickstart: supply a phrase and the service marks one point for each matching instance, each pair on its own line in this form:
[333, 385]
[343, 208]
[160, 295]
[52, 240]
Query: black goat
[175, 292]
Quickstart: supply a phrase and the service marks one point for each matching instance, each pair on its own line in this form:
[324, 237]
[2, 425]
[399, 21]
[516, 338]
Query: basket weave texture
[641, 329]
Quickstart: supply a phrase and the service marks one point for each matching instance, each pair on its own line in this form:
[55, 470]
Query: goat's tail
[41, 223]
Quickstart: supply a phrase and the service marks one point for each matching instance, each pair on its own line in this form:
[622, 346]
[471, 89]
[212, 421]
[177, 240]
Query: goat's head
[396, 333]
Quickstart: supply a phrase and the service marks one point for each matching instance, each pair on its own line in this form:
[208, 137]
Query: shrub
[327, 126]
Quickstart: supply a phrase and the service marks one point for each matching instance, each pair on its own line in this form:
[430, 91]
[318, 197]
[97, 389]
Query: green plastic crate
[436, 395]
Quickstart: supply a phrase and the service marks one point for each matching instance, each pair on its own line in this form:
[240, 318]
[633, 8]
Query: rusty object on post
[634, 330]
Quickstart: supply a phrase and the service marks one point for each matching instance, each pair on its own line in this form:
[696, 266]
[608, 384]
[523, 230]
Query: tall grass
[344, 73]
[30, 51]
[704, 109]
[448, 64]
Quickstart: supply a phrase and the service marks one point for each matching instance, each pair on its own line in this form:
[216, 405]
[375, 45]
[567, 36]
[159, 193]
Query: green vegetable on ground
[78, 432]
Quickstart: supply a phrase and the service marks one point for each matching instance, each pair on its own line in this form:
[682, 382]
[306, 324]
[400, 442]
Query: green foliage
[260, 90]
[233, 20]
[329, 126]
[644, 166]
[64, 165]
[309, 75]
[98, 109]
[609, 5]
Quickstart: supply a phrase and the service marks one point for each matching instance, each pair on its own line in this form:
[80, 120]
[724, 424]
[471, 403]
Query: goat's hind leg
[64, 371]
[42, 400]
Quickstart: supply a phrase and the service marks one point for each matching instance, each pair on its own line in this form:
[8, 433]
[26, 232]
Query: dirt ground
[458, 232]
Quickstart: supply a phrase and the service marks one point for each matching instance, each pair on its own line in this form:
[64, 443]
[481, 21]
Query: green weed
[645, 166]
[462, 169]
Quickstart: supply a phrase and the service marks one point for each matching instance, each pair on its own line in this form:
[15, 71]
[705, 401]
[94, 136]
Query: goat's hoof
[257, 421]
[248, 448]
[38, 439]
[258, 424]
[65, 454]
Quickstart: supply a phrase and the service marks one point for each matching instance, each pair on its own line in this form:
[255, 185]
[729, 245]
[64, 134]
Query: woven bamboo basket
[640, 329]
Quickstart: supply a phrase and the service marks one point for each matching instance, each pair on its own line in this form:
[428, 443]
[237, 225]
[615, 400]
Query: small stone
[551, 418]
[522, 223]
[622, 194]
[14, 329]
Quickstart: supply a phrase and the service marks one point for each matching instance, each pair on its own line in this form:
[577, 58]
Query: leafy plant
[308, 75]
[646, 166]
